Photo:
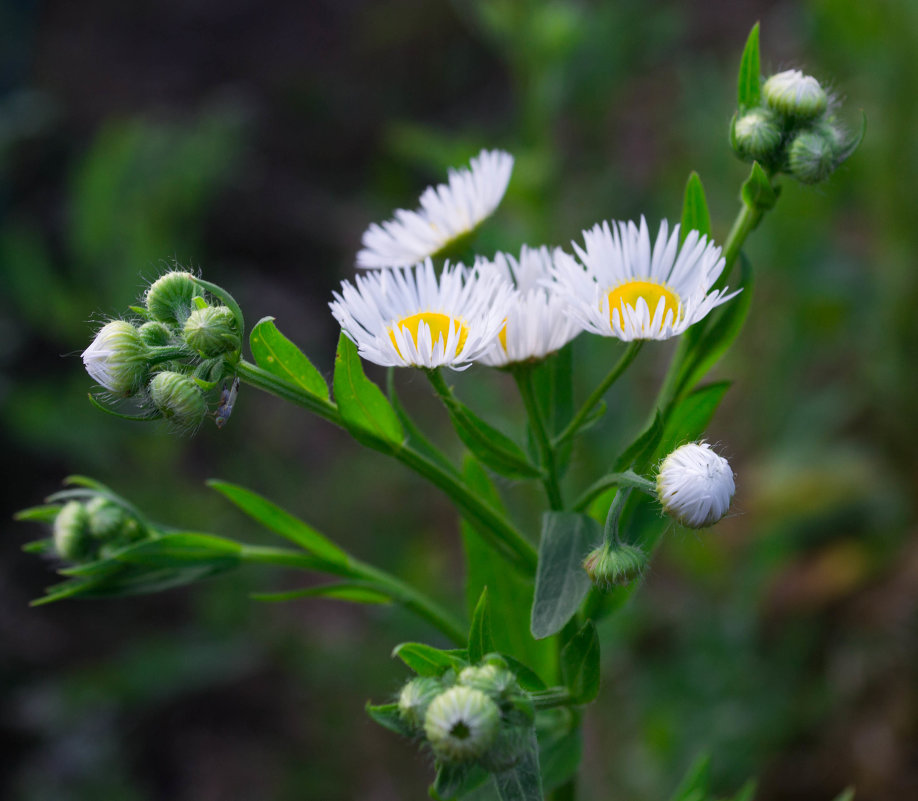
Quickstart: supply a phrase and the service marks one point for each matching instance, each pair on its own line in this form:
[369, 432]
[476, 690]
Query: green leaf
[747, 793]
[281, 522]
[39, 546]
[691, 416]
[492, 447]
[560, 756]
[387, 715]
[749, 86]
[561, 582]
[846, 795]
[277, 355]
[182, 549]
[340, 591]
[695, 215]
[640, 452]
[523, 782]
[757, 191]
[580, 664]
[527, 677]
[696, 780]
[364, 409]
[455, 781]
[480, 641]
[510, 593]
[425, 660]
[39, 514]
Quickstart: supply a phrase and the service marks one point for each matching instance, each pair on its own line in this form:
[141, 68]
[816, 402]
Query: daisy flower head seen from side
[537, 323]
[623, 286]
[412, 318]
[448, 213]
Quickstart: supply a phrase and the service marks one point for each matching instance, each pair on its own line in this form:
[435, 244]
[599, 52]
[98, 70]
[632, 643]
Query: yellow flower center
[440, 326]
[502, 336]
[651, 292]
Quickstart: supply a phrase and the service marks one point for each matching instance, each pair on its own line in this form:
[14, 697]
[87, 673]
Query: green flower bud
[615, 564]
[509, 745]
[155, 334]
[211, 331]
[813, 154]
[72, 538]
[117, 359]
[756, 136]
[106, 519]
[795, 95]
[169, 297]
[179, 399]
[461, 724]
[490, 679]
[414, 699]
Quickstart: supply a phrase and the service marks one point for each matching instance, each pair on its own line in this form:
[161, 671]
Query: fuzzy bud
[155, 334]
[491, 679]
[461, 724]
[211, 331]
[615, 564]
[414, 699]
[178, 398]
[695, 485]
[117, 359]
[169, 298]
[106, 519]
[795, 95]
[813, 154]
[72, 537]
[756, 136]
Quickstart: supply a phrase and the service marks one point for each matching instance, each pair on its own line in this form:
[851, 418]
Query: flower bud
[615, 564]
[211, 331]
[414, 699]
[509, 745]
[813, 154]
[461, 724]
[105, 519]
[795, 95]
[756, 136]
[72, 538]
[117, 359]
[490, 679]
[179, 398]
[695, 485]
[169, 297]
[155, 334]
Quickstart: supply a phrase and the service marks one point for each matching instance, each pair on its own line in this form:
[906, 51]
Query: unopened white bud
[795, 95]
[117, 359]
[461, 724]
[695, 485]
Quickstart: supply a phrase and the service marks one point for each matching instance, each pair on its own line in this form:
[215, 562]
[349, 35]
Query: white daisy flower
[409, 317]
[537, 323]
[695, 485]
[448, 212]
[627, 289]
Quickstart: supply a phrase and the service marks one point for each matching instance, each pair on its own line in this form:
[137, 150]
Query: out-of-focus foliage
[257, 143]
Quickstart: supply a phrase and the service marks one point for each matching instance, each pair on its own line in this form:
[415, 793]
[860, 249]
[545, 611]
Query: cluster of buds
[169, 359]
[478, 715]
[94, 529]
[794, 129]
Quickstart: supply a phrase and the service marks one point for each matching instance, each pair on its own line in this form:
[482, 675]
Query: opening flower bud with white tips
[695, 485]
[461, 724]
[117, 359]
[795, 95]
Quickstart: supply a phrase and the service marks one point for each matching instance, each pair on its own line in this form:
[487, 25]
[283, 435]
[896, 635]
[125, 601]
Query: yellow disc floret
[651, 292]
[440, 326]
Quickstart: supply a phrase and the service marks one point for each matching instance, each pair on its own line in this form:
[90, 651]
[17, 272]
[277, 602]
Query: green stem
[502, 534]
[412, 599]
[625, 479]
[522, 373]
[166, 353]
[551, 697]
[746, 221]
[575, 424]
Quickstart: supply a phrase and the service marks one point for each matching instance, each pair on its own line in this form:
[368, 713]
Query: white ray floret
[448, 212]
[695, 485]
[623, 287]
[537, 322]
[410, 318]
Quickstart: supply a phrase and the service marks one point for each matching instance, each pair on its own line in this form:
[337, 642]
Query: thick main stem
[596, 396]
[523, 375]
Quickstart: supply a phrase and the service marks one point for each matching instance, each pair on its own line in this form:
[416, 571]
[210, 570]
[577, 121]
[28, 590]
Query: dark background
[256, 141]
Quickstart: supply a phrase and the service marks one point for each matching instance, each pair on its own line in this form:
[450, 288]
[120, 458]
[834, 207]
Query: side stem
[522, 373]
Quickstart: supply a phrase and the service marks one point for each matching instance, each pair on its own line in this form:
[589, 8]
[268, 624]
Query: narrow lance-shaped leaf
[364, 409]
[757, 191]
[749, 87]
[580, 664]
[425, 660]
[277, 355]
[695, 214]
[341, 591]
[561, 582]
[480, 640]
[691, 416]
[387, 715]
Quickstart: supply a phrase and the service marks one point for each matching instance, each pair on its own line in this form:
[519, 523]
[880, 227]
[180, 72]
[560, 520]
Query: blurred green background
[256, 141]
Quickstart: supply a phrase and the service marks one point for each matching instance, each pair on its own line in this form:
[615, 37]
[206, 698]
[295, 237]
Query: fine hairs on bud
[756, 136]
[118, 358]
[615, 564]
[812, 154]
[178, 398]
[461, 724]
[414, 699]
[169, 298]
[211, 331]
[695, 485]
[155, 334]
[795, 95]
